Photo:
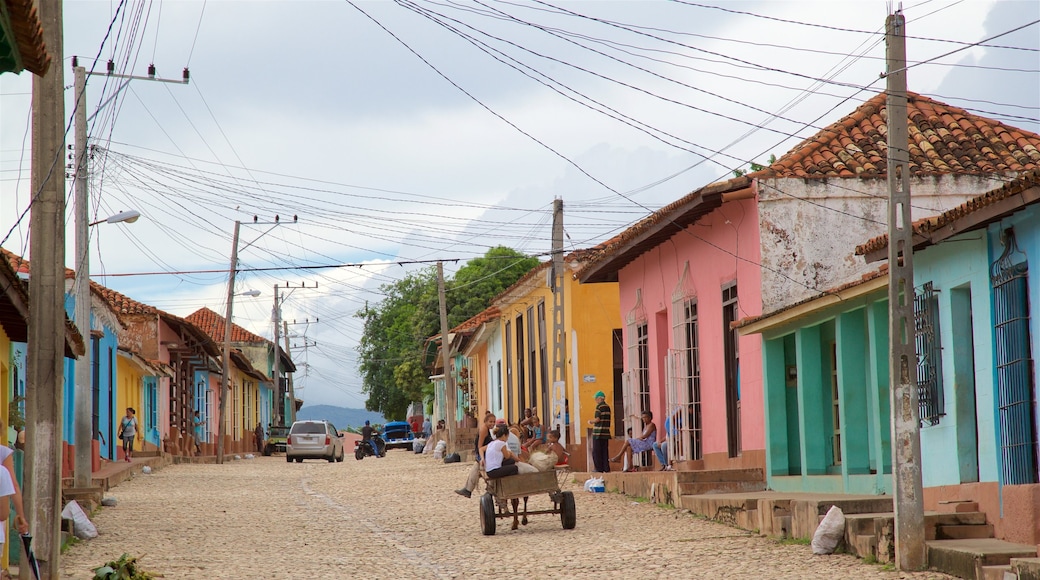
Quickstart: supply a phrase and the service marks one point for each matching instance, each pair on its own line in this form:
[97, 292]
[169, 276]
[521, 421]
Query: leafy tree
[392, 344]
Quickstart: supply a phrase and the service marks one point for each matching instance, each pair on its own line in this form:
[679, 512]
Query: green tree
[391, 351]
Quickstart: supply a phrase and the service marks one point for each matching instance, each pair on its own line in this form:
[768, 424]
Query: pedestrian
[427, 428]
[601, 434]
[484, 437]
[645, 442]
[127, 432]
[197, 424]
[258, 435]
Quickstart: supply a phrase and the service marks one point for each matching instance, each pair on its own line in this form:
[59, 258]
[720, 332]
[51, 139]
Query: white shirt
[493, 455]
[6, 490]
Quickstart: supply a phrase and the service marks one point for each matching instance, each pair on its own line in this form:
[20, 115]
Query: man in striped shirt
[601, 434]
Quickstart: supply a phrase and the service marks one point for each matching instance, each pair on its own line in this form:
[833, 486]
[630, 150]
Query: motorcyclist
[366, 438]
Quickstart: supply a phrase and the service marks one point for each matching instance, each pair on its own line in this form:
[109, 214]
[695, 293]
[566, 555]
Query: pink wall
[709, 246]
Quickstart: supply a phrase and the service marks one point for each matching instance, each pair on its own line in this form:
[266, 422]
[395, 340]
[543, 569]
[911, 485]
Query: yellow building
[592, 348]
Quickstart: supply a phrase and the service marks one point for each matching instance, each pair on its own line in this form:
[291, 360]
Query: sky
[403, 133]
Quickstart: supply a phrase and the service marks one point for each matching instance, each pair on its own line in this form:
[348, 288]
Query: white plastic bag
[595, 485]
[82, 527]
[830, 532]
[438, 451]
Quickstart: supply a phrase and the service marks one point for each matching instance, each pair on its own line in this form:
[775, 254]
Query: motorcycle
[364, 449]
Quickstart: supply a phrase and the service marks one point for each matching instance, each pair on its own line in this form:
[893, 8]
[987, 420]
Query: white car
[313, 440]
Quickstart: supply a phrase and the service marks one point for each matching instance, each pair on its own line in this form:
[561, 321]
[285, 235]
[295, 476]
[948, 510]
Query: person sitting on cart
[553, 446]
[366, 437]
[499, 461]
[484, 438]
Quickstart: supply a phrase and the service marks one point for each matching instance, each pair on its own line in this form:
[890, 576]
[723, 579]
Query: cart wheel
[487, 514]
[567, 514]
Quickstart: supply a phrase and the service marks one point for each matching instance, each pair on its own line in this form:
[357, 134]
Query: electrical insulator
[111, 67]
[294, 218]
[151, 70]
[185, 75]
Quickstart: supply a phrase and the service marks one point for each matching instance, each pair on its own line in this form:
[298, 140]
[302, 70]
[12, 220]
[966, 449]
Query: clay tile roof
[213, 325]
[488, 314]
[984, 209]
[602, 262]
[74, 345]
[124, 305]
[28, 37]
[943, 139]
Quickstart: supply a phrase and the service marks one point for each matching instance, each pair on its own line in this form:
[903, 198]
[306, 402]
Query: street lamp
[129, 216]
[83, 424]
[250, 293]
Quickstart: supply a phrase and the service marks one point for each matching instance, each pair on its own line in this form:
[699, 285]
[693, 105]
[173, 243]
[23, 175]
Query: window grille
[929, 355]
[1015, 384]
[731, 345]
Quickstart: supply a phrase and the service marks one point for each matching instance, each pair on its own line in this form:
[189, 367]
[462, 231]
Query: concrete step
[705, 487]
[963, 532]
[1025, 568]
[954, 506]
[718, 475]
[995, 572]
[966, 558]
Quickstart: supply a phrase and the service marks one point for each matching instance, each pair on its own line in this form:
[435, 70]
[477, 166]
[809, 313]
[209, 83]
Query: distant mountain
[341, 417]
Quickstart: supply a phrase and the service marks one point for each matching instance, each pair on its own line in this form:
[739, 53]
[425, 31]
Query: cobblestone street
[398, 517]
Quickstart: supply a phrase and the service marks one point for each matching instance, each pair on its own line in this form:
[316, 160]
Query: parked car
[398, 434]
[313, 440]
[276, 439]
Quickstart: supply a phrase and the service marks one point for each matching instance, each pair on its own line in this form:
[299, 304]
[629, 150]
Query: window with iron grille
[731, 349]
[929, 355]
[643, 369]
[1016, 399]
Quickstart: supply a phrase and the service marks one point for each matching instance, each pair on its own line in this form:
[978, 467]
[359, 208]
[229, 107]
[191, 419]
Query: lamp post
[83, 419]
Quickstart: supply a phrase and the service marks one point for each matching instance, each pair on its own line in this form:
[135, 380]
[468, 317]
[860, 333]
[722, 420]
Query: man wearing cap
[601, 434]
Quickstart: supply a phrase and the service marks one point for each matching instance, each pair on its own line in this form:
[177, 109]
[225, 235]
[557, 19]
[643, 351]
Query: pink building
[685, 274]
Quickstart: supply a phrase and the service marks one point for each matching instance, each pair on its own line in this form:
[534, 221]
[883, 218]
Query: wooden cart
[503, 495]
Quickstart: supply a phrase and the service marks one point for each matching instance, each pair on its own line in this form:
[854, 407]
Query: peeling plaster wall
[810, 228]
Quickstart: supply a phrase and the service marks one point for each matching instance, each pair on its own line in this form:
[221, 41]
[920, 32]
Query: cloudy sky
[406, 132]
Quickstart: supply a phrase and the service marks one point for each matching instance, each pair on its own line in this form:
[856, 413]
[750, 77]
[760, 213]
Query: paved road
[397, 517]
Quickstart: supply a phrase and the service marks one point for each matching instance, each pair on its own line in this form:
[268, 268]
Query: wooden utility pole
[225, 379]
[451, 410]
[902, 366]
[44, 398]
[559, 374]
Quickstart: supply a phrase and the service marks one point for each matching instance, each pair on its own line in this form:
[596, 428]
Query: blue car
[398, 434]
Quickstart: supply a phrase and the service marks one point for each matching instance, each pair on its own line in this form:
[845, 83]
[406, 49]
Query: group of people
[503, 449]
[646, 441]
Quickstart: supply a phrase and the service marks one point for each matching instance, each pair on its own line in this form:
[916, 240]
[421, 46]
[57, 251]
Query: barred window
[929, 355]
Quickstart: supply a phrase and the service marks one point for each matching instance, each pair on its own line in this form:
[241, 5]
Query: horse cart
[502, 500]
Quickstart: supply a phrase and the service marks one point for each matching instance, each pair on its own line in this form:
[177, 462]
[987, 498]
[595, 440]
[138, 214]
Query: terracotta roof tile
[943, 139]
[928, 225]
[213, 325]
[28, 35]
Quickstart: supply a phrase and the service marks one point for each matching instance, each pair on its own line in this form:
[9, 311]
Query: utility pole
[226, 378]
[44, 398]
[83, 420]
[449, 384]
[289, 379]
[278, 365]
[902, 366]
[83, 424]
[276, 317]
[559, 384]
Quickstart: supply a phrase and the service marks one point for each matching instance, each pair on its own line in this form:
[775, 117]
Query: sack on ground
[82, 527]
[594, 484]
[438, 451]
[452, 458]
[830, 532]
